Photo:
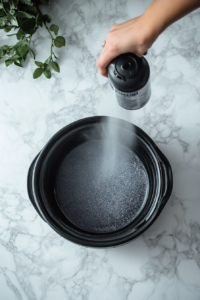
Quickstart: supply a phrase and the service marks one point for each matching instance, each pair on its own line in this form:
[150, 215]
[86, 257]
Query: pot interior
[100, 191]
[91, 190]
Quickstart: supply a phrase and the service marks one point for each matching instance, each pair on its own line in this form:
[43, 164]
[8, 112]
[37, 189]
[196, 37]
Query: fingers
[104, 60]
[122, 38]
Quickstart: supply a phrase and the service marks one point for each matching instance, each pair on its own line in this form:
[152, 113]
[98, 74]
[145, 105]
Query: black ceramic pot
[42, 177]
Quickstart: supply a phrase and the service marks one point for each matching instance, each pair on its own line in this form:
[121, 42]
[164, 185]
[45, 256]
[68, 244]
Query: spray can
[129, 76]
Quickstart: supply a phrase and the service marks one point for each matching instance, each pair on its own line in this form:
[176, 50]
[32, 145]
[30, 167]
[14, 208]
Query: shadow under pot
[98, 192]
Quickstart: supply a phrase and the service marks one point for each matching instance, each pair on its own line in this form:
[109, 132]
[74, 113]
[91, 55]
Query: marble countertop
[164, 263]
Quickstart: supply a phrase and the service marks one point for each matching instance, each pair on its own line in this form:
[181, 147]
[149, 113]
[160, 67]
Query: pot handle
[29, 187]
[167, 179]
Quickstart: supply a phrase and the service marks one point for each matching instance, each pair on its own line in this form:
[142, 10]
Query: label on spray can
[134, 100]
[130, 78]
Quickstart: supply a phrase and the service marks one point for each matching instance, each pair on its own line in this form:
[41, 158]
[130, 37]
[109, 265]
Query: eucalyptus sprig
[25, 17]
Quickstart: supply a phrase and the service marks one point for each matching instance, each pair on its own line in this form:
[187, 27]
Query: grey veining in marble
[164, 263]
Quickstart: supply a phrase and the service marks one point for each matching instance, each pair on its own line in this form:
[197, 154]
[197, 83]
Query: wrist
[154, 25]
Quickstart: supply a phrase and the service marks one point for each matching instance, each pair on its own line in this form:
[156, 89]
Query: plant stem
[52, 39]
[47, 28]
[30, 37]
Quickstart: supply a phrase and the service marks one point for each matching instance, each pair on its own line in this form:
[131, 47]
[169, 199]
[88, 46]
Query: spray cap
[128, 72]
[126, 67]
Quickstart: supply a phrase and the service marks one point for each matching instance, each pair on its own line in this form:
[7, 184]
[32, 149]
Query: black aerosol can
[129, 76]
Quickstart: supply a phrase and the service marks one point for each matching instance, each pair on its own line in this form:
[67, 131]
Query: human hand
[133, 36]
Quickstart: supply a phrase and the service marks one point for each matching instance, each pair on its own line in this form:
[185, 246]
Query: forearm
[162, 13]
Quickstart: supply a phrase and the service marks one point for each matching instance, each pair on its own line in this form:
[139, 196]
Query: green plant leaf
[46, 18]
[54, 28]
[31, 53]
[22, 48]
[23, 15]
[44, 1]
[56, 66]
[27, 2]
[47, 73]
[29, 26]
[4, 50]
[13, 4]
[7, 29]
[59, 41]
[37, 73]
[17, 62]
[20, 21]
[31, 10]
[8, 62]
[24, 58]
[48, 60]
[12, 20]
[45, 67]
[19, 50]
[12, 12]
[2, 13]
[12, 51]
[39, 64]
[20, 34]
[3, 21]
